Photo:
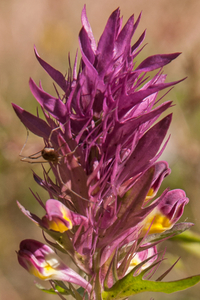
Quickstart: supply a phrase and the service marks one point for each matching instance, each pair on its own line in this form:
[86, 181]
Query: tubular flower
[166, 213]
[41, 261]
[103, 141]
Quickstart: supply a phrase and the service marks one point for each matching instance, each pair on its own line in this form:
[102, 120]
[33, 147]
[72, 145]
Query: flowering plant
[103, 144]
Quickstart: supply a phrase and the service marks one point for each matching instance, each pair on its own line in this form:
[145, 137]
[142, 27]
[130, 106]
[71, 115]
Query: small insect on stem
[49, 155]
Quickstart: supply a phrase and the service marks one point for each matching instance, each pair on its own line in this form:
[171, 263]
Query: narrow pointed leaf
[52, 105]
[34, 124]
[156, 61]
[56, 75]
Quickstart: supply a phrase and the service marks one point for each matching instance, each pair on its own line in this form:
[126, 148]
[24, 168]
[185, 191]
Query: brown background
[53, 26]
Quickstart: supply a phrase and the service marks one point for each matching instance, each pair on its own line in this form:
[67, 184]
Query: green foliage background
[53, 26]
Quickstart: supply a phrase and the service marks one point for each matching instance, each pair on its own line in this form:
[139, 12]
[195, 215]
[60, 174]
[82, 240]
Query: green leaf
[130, 285]
[64, 290]
[177, 229]
[52, 291]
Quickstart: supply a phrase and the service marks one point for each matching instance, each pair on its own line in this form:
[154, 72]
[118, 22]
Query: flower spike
[105, 134]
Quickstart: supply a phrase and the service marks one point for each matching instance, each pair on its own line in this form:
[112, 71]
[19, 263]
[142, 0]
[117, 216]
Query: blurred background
[53, 26]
